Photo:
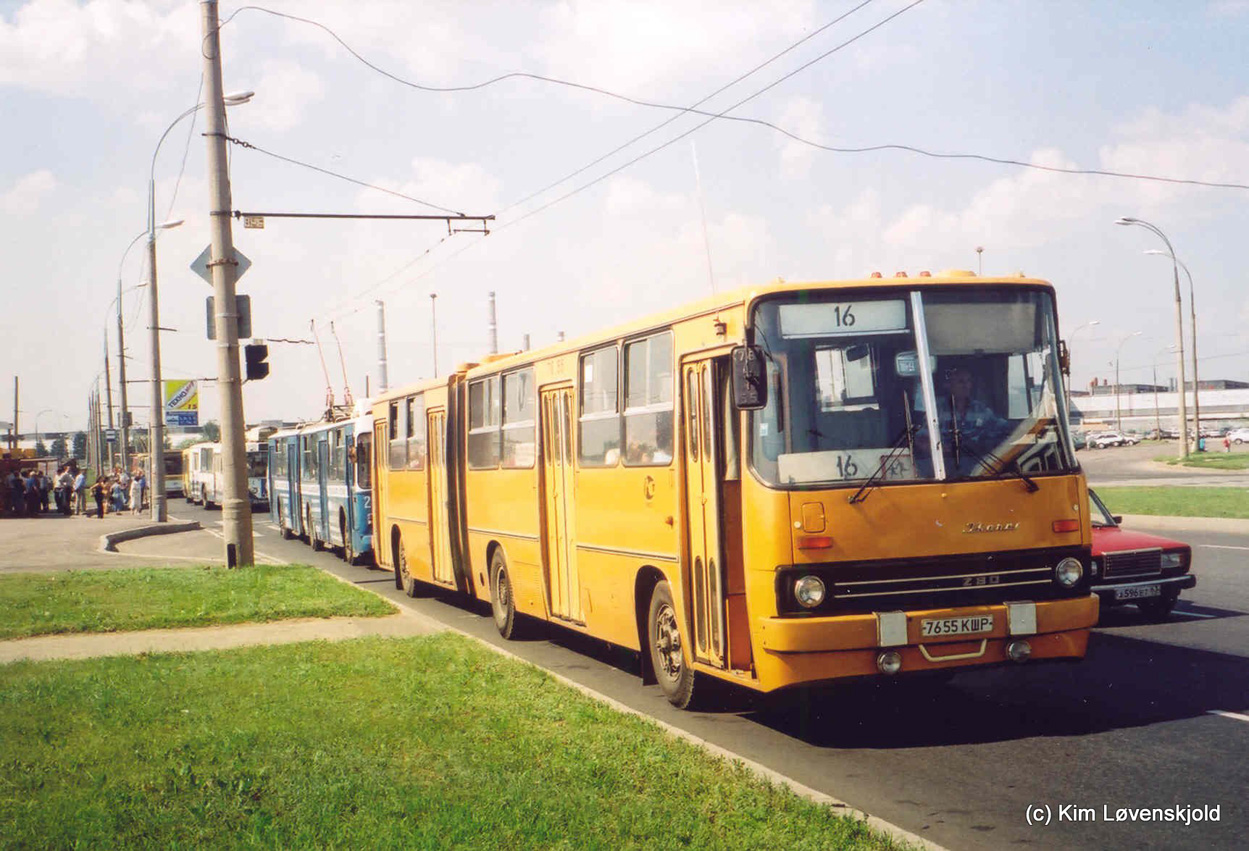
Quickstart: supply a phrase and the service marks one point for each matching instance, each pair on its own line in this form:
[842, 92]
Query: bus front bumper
[851, 644]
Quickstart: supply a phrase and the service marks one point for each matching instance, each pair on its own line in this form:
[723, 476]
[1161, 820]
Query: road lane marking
[1221, 547]
[1238, 716]
[1192, 614]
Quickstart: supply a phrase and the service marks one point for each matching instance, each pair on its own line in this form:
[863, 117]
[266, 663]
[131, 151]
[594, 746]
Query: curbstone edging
[109, 542]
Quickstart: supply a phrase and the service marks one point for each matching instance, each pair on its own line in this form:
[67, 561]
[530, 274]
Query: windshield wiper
[1013, 467]
[904, 436]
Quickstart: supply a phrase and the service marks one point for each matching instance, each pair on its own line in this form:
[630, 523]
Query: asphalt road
[1134, 465]
[1134, 725]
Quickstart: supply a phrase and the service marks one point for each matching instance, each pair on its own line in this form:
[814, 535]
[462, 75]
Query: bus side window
[599, 444]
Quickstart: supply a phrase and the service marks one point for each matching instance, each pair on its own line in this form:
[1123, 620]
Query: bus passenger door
[381, 491]
[563, 580]
[292, 485]
[702, 489]
[439, 513]
[323, 473]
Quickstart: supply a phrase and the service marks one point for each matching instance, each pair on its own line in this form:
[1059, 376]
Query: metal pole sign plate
[242, 307]
[200, 266]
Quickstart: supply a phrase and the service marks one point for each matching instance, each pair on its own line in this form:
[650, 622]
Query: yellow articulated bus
[787, 485]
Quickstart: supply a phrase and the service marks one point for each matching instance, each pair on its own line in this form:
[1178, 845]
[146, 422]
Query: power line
[712, 117]
[292, 161]
[681, 111]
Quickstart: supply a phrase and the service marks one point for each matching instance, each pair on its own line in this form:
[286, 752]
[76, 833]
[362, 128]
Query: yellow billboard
[182, 402]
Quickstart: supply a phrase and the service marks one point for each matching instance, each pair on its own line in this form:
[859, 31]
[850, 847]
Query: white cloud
[290, 90]
[803, 117]
[26, 194]
[635, 46]
[95, 48]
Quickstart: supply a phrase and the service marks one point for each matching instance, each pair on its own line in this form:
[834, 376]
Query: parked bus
[205, 483]
[321, 484]
[284, 502]
[787, 485]
[258, 474]
[173, 473]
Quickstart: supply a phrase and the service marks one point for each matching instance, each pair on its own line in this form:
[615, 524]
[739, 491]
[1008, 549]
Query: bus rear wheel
[349, 555]
[403, 574]
[675, 676]
[502, 600]
[313, 540]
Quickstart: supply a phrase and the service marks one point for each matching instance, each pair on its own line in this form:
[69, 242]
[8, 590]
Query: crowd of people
[27, 493]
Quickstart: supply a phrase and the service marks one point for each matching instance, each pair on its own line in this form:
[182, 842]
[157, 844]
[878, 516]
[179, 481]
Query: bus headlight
[809, 591]
[1068, 572]
[889, 662]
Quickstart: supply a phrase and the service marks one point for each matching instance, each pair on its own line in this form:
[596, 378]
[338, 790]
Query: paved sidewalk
[54, 542]
[88, 646]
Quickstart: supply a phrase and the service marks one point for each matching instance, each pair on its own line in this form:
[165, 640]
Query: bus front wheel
[502, 601]
[675, 676]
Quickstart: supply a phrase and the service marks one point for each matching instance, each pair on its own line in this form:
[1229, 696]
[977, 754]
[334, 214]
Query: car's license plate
[1138, 592]
[956, 626]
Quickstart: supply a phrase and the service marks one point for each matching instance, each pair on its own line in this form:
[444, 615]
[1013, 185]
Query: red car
[1132, 567]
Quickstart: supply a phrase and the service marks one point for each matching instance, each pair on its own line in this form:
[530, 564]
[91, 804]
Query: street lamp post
[156, 433]
[1071, 338]
[1118, 386]
[121, 361]
[1179, 327]
[1192, 325]
[433, 326]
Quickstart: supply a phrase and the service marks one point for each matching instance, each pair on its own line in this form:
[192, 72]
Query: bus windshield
[257, 464]
[909, 386]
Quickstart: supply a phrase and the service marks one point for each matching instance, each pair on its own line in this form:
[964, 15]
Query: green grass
[155, 598]
[1210, 460]
[1177, 501]
[431, 742]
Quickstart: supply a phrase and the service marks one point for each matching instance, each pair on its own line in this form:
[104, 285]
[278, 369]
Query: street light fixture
[1118, 386]
[1192, 324]
[156, 438]
[1179, 326]
[1070, 338]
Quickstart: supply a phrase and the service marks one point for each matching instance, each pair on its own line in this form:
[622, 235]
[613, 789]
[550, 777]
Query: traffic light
[254, 355]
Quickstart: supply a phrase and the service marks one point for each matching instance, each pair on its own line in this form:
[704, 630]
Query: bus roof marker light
[899, 274]
[876, 275]
[925, 274]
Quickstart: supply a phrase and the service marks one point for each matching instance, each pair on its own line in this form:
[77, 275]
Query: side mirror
[1118, 518]
[1064, 358]
[750, 378]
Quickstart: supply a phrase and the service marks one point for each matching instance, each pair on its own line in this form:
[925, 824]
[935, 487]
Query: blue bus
[320, 485]
[284, 482]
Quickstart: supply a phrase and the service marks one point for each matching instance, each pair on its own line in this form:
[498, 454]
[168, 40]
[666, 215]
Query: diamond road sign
[200, 266]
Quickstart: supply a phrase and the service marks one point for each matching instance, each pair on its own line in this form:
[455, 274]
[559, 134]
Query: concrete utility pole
[236, 505]
[493, 328]
[383, 379]
[121, 377]
[156, 430]
[13, 440]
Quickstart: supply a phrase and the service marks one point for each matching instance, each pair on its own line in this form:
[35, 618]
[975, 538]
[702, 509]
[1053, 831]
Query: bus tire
[313, 541]
[672, 670]
[403, 574]
[349, 554]
[502, 600]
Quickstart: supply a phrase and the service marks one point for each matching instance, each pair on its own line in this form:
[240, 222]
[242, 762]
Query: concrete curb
[109, 542]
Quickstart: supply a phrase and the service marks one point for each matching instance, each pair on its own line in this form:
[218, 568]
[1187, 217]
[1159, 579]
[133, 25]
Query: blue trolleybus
[320, 484]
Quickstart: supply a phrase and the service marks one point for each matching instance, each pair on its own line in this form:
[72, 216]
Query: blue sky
[86, 89]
